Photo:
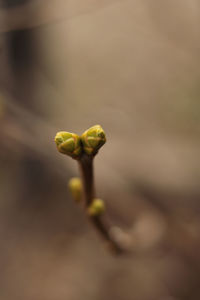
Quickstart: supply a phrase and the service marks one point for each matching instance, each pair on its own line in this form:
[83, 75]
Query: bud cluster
[73, 145]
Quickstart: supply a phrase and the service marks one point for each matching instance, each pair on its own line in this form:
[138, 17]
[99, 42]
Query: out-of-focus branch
[45, 12]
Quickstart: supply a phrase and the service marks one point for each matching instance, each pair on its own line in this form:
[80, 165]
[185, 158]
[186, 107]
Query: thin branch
[40, 13]
[86, 167]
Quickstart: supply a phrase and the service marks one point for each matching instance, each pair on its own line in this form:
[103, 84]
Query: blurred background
[133, 67]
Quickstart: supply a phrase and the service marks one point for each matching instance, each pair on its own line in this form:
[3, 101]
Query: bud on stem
[76, 189]
[96, 208]
[69, 144]
[93, 139]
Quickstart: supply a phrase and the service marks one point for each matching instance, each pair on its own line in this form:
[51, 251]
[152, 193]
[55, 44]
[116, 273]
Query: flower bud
[93, 139]
[75, 187]
[69, 143]
[96, 208]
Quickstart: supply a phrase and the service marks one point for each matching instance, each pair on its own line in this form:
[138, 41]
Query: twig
[84, 149]
[86, 167]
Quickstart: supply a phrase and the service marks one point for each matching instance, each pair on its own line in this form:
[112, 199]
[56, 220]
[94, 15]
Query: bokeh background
[133, 67]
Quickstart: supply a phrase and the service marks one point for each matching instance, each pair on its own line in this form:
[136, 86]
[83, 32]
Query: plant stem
[86, 167]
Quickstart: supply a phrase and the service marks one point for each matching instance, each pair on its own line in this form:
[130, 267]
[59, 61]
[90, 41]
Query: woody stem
[86, 168]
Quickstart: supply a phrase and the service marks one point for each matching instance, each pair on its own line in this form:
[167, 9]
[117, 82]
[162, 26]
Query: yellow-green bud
[93, 139]
[96, 208]
[69, 143]
[75, 187]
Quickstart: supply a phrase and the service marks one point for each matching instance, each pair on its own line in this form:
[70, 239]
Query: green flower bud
[96, 208]
[76, 188]
[69, 143]
[93, 139]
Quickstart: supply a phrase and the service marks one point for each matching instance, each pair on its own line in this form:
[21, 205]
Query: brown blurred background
[133, 67]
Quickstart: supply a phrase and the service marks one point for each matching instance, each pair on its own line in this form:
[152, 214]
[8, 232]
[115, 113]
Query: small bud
[93, 139]
[69, 143]
[75, 187]
[96, 208]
